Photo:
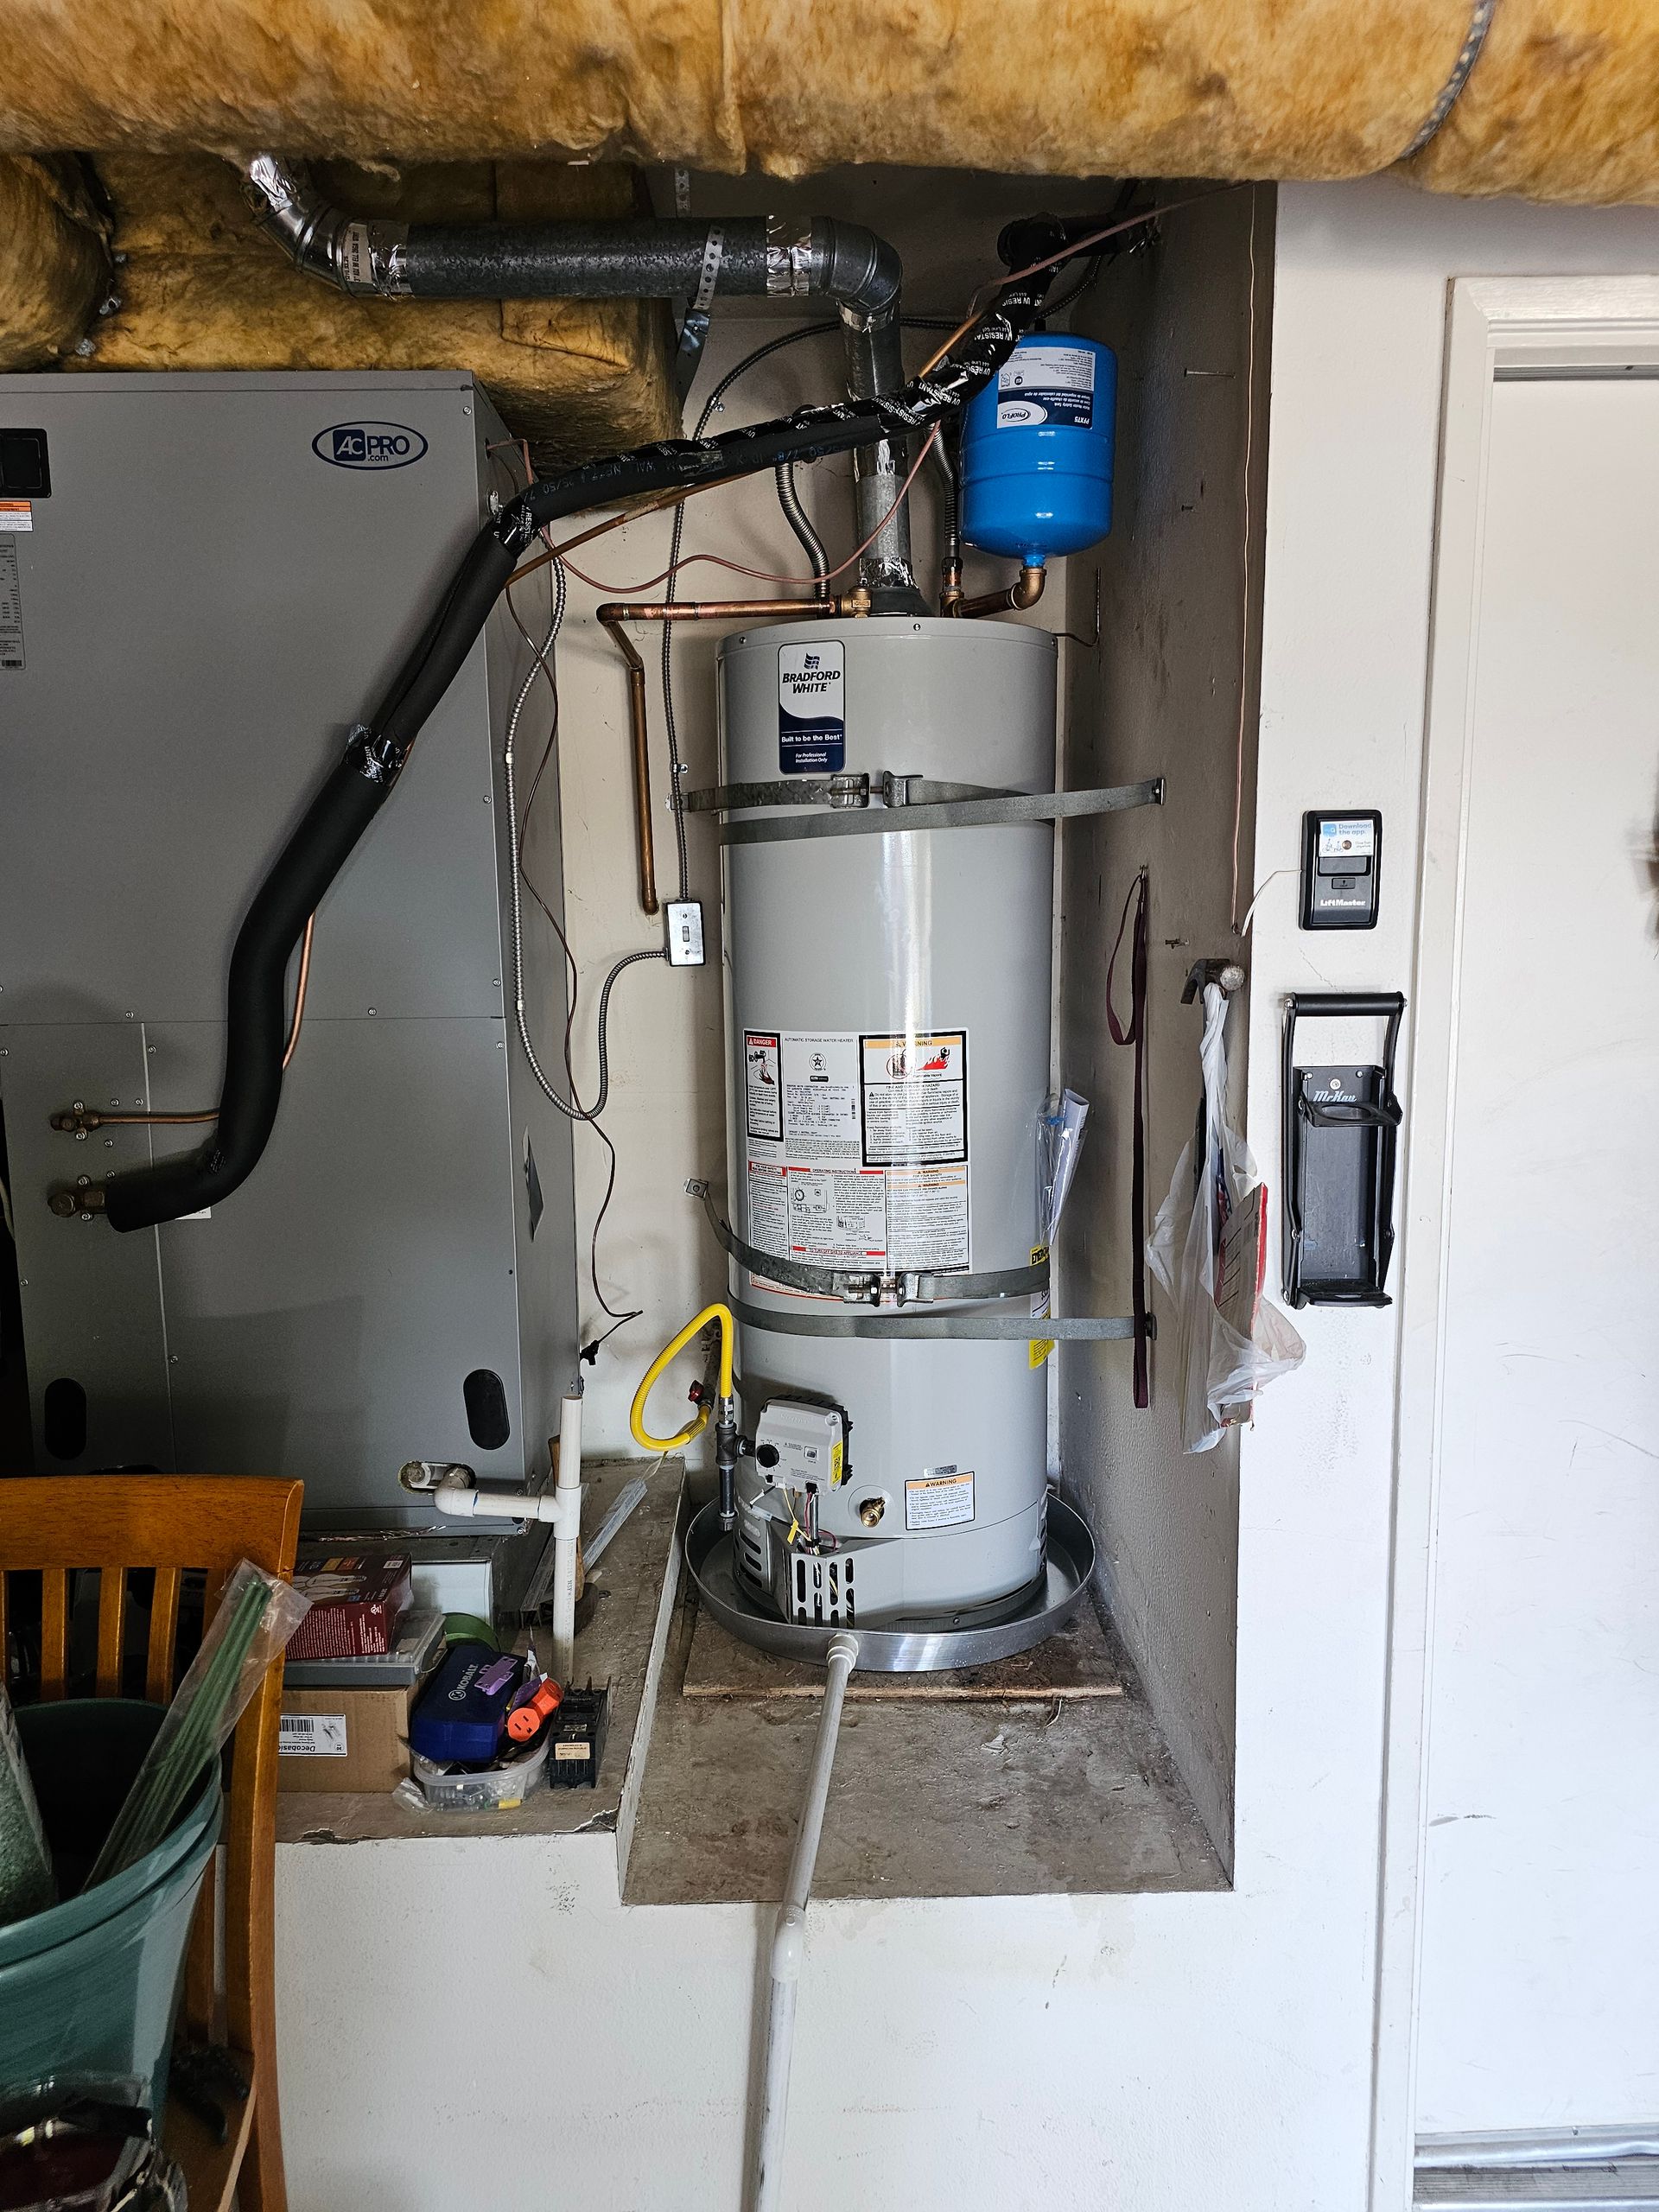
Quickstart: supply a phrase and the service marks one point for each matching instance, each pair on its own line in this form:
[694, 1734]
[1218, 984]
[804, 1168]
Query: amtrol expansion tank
[888, 1027]
[1037, 451]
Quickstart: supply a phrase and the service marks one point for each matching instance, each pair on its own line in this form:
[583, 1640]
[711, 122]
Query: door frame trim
[1588, 326]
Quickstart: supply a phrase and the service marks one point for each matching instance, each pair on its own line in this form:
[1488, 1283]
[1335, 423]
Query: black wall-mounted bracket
[1341, 1140]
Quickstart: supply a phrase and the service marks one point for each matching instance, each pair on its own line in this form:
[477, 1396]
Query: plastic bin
[492, 1789]
[88, 1989]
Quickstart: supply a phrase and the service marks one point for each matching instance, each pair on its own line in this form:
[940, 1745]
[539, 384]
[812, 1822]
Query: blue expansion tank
[1037, 451]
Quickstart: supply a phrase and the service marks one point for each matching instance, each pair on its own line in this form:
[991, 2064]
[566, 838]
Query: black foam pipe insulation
[359, 784]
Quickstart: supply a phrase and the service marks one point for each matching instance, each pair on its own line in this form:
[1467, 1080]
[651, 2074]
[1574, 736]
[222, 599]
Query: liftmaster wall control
[1341, 854]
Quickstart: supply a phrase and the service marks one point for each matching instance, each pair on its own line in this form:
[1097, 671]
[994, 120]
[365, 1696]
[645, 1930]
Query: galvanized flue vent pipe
[769, 257]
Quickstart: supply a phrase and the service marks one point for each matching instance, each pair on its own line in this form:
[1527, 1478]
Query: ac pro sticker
[368, 445]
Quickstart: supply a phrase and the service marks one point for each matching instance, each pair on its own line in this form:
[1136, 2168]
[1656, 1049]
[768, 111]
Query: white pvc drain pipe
[788, 1937]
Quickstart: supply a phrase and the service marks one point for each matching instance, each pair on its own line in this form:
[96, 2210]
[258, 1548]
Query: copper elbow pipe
[1025, 591]
[612, 616]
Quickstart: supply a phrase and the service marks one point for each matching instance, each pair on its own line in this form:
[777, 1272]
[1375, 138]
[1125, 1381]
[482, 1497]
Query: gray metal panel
[240, 601]
[323, 1319]
[92, 1301]
[207, 608]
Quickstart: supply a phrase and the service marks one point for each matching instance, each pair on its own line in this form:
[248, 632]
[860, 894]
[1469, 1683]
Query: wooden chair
[50, 1525]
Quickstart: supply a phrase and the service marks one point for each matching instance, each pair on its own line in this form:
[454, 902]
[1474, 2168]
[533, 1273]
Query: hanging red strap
[1134, 1033]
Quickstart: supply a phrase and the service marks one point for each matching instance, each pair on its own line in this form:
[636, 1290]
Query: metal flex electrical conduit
[673, 258]
[359, 785]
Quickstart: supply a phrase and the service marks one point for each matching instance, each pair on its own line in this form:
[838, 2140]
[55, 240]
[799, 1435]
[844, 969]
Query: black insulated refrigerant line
[359, 785]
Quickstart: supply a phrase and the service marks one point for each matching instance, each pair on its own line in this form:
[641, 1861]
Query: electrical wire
[1244, 647]
[572, 1108]
[766, 576]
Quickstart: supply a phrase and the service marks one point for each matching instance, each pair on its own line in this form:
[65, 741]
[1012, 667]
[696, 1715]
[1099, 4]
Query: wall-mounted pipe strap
[958, 813]
[864, 1287]
[996, 1328]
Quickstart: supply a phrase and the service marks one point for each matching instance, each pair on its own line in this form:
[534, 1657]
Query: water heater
[888, 1023]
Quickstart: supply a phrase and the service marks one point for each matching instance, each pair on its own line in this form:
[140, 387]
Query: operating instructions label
[11, 607]
[812, 710]
[857, 1148]
[1046, 384]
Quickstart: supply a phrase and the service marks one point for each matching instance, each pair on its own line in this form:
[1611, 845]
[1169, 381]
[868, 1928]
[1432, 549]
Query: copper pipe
[1025, 591]
[727, 610]
[615, 611]
[610, 617]
[304, 978]
[85, 1118]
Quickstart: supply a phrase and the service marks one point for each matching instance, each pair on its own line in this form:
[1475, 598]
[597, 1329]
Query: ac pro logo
[368, 445]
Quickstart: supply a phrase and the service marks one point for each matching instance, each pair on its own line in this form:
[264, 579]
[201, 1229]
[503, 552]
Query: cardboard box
[344, 1739]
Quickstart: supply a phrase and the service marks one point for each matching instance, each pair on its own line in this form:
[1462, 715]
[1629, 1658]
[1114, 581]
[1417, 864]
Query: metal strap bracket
[997, 1328]
[866, 1286]
[841, 792]
[920, 810]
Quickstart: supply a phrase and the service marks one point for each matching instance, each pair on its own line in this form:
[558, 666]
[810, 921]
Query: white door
[1538, 1986]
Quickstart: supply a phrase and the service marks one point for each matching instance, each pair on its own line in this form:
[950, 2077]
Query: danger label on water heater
[858, 1147]
[812, 710]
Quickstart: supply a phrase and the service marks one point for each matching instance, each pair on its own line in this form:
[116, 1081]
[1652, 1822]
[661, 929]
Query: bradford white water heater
[888, 1024]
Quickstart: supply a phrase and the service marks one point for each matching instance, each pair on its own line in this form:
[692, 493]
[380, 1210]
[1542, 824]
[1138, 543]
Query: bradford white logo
[368, 445]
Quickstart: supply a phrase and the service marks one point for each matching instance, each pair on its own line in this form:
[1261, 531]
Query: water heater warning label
[1046, 384]
[942, 1498]
[858, 1147]
[812, 710]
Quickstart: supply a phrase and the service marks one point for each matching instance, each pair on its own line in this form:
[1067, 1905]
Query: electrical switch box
[685, 933]
[1341, 857]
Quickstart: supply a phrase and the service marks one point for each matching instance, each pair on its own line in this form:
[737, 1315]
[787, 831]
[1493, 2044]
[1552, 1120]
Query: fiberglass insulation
[54, 270]
[199, 287]
[1564, 102]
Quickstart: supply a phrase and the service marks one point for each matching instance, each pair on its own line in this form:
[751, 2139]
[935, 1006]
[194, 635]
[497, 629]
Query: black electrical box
[576, 1739]
[25, 469]
[1341, 855]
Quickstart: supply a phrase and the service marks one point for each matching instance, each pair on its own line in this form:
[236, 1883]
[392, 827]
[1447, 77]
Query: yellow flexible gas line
[636, 1410]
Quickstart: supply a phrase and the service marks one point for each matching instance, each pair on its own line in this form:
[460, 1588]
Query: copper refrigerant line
[80, 1119]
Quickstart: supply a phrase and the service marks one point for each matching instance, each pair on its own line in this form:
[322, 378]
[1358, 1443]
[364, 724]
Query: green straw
[179, 1753]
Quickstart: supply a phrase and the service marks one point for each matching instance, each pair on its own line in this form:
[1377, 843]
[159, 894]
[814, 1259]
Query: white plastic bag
[1205, 1249]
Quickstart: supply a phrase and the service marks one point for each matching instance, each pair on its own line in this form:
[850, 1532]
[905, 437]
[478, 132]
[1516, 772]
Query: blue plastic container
[461, 1713]
[1037, 451]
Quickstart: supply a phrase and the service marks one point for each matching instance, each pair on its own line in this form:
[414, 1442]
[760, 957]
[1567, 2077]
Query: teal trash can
[88, 1989]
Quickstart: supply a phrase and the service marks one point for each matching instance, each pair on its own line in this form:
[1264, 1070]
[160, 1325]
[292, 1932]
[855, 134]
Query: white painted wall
[1541, 1923]
[483, 2020]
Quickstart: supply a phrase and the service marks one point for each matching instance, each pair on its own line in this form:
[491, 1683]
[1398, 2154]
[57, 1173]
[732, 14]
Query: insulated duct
[1558, 106]
[356, 789]
[753, 257]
